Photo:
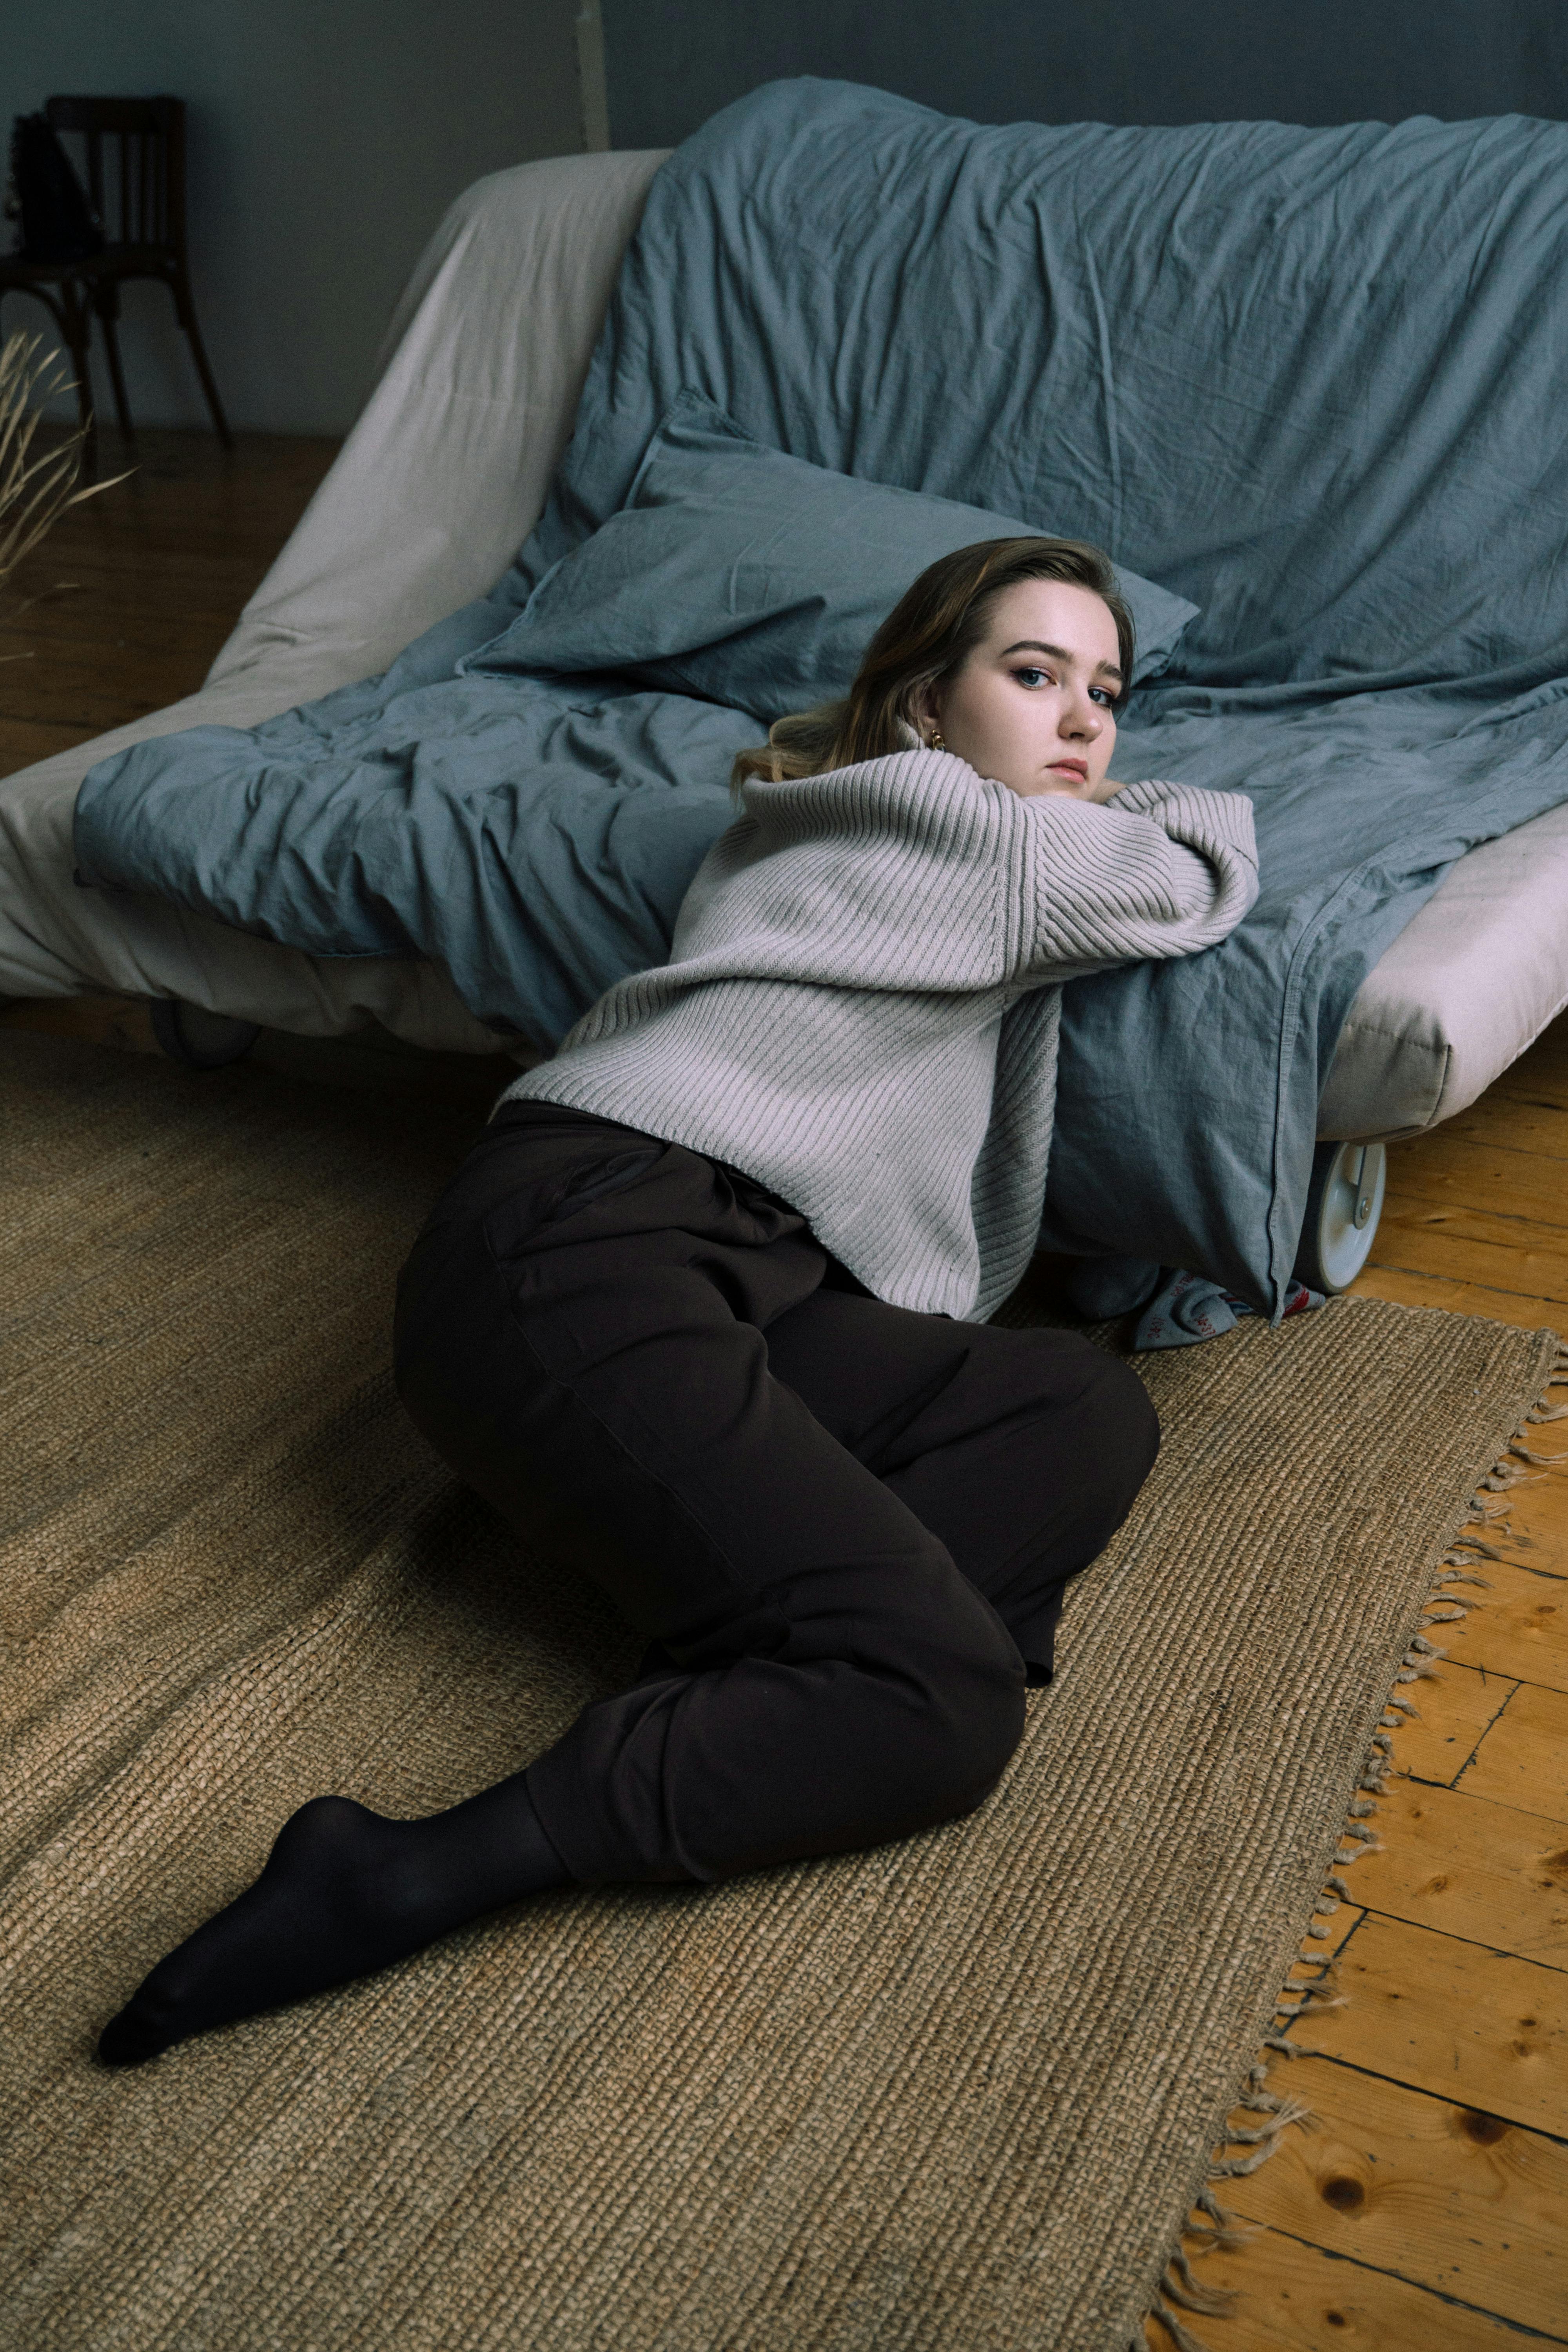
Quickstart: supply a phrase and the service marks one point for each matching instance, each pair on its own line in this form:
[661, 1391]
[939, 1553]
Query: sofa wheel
[201, 1040]
[1343, 1205]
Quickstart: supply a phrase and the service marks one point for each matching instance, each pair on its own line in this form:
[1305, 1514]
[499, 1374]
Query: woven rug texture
[953, 2094]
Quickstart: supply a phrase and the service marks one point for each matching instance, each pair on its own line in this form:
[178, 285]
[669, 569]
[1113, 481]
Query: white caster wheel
[1343, 1205]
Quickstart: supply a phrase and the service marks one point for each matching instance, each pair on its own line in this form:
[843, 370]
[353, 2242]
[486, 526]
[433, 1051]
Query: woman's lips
[1078, 768]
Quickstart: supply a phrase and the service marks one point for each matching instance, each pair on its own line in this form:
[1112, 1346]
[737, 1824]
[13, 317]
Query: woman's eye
[1103, 695]
[1031, 677]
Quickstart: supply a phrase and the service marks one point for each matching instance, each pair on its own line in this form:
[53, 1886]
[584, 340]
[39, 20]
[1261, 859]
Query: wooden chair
[135, 149]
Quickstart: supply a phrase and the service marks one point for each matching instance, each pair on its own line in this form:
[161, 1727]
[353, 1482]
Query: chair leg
[69, 308]
[186, 312]
[107, 305]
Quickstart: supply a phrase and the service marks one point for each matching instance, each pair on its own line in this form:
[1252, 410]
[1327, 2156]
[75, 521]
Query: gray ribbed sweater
[861, 1003]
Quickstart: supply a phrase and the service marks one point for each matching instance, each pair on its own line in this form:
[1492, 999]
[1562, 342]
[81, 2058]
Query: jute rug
[956, 2094]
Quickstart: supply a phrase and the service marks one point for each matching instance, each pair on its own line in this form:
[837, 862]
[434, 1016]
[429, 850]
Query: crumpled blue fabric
[1188, 1308]
[1177, 1309]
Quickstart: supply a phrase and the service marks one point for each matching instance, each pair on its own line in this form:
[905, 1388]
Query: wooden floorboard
[1471, 1866]
[1527, 1756]
[1428, 2209]
[1501, 1252]
[1437, 2193]
[1408, 1287]
[1457, 1711]
[1524, 1182]
[1453, 2016]
[1523, 1628]
[1293, 2295]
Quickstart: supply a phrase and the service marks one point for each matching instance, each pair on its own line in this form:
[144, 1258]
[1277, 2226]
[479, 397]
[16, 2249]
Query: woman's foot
[345, 1892]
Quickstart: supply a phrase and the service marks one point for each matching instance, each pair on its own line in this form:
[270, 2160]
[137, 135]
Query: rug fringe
[1182, 2338]
[1221, 2230]
[1190, 2293]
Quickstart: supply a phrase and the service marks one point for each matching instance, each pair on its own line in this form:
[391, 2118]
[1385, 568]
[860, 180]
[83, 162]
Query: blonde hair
[929, 635]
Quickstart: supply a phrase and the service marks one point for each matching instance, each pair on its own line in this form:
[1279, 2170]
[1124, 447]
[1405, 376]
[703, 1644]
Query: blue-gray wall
[671, 63]
[326, 137]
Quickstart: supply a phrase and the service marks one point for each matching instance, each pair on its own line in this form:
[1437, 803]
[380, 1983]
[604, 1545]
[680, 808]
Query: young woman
[703, 1313]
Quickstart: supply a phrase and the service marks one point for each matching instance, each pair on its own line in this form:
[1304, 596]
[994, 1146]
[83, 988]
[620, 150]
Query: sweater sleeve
[1161, 870]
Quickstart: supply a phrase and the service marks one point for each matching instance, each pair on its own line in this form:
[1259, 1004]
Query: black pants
[843, 1528]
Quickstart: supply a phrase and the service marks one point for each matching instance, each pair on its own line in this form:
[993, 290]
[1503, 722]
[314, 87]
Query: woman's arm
[1168, 870]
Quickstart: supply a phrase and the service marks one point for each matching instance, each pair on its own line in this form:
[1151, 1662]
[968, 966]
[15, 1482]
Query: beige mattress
[435, 489]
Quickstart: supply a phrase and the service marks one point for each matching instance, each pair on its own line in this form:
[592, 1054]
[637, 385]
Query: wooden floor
[133, 594]
[1428, 2210]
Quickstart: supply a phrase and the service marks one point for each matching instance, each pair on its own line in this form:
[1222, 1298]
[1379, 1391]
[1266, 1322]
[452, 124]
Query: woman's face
[1031, 706]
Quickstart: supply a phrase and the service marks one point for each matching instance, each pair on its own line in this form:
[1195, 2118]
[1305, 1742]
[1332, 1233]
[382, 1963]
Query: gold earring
[938, 740]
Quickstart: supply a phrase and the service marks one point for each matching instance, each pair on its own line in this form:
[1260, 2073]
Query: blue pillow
[755, 579]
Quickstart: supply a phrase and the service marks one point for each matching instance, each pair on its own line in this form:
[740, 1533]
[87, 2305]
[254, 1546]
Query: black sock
[345, 1892]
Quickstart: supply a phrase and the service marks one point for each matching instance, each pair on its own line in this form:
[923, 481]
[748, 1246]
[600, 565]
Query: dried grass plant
[35, 491]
